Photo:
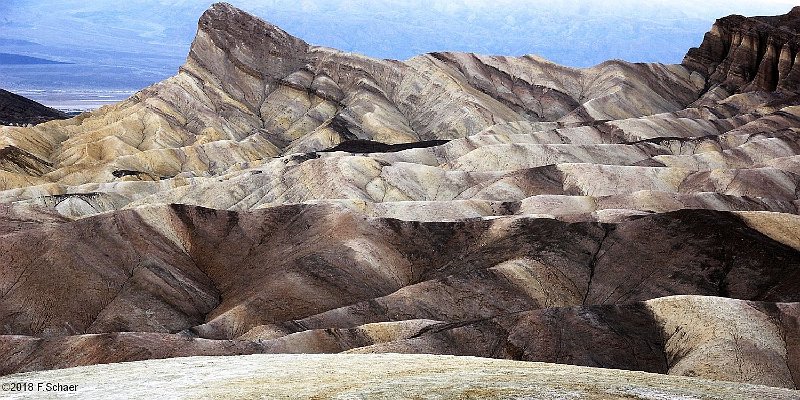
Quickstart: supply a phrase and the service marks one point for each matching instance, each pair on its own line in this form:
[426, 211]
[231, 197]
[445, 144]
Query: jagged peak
[226, 13]
[750, 53]
[232, 42]
[244, 27]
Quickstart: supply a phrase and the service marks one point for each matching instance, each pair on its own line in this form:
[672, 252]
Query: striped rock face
[279, 197]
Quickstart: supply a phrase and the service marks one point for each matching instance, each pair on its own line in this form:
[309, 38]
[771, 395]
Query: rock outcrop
[746, 54]
[280, 197]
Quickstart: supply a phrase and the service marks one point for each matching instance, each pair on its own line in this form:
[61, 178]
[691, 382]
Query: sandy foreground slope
[378, 376]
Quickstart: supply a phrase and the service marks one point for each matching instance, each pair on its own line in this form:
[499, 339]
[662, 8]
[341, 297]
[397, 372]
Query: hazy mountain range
[125, 46]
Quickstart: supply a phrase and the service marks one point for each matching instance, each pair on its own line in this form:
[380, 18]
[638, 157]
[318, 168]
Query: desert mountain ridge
[18, 110]
[279, 197]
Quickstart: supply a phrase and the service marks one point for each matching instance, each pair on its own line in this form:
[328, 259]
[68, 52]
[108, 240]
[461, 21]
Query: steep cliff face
[746, 54]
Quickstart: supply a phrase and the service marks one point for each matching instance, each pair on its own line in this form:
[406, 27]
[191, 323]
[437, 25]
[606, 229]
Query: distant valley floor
[76, 100]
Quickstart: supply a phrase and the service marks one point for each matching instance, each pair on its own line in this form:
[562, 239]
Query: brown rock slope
[451, 203]
[167, 281]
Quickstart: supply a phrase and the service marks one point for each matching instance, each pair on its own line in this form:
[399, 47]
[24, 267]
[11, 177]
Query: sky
[129, 44]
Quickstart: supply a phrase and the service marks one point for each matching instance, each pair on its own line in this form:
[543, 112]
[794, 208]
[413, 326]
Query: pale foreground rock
[380, 376]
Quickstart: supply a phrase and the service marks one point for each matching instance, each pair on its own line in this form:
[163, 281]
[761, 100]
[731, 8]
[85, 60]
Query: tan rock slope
[250, 92]
[279, 197]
